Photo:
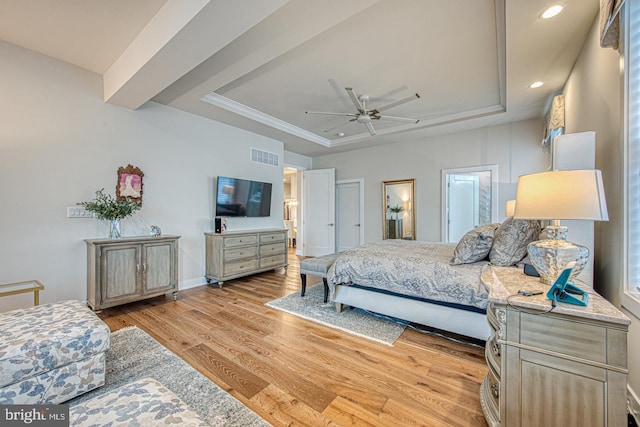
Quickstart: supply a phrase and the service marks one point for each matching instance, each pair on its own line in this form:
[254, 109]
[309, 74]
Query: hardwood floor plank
[294, 372]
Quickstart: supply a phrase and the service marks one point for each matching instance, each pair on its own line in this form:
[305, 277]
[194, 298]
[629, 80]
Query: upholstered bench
[51, 353]
[318, 266]
[144, 402]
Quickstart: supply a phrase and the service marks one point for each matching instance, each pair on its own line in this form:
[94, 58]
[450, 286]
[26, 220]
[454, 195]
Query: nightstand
[560, 367]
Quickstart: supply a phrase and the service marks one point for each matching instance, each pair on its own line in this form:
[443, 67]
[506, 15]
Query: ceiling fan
[365, 116]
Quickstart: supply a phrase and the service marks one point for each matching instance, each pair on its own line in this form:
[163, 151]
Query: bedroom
[61, 142]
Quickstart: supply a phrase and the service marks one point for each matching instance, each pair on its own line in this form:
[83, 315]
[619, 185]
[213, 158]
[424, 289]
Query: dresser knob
[496, 349]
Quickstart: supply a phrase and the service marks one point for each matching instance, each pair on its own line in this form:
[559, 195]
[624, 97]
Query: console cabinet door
[119, 268]
[158, 267]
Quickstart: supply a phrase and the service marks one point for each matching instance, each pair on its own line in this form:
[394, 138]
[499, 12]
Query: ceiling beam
[180, 36]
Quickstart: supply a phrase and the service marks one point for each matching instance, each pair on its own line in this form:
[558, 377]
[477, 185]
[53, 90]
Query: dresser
[124, 270]
[561, 367]
[236, 254]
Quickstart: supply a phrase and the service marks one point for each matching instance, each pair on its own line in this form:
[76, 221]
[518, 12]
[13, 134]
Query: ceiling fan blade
[398, 119]
[354, 99]
[331, 114]
[338, 126]
[395, 104]
[370, 128]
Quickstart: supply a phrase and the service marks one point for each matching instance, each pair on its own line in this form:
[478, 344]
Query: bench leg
[339, 307]
[303, 278]
[326, 289]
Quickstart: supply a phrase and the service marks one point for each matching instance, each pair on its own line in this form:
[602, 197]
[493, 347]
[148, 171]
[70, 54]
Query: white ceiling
[261, 64]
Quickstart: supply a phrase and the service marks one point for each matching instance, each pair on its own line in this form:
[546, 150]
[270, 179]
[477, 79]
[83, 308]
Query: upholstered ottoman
[318, 266]
[51, 353]
[142, 403]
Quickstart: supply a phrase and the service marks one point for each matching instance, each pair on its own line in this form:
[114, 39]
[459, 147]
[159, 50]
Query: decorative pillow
[511, 240]
[475, 245]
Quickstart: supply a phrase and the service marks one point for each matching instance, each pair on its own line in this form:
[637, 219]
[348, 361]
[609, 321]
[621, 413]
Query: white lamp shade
[567, 194]
[510, 208]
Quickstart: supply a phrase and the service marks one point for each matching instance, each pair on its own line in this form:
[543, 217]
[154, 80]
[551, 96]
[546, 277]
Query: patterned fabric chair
[51, 353]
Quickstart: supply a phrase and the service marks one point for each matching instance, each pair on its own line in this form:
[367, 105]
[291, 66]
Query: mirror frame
[411, 182]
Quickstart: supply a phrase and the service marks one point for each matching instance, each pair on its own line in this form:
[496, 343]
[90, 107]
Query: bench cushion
[318, 266]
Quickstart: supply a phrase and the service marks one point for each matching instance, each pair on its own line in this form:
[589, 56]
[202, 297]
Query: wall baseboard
[633, 404]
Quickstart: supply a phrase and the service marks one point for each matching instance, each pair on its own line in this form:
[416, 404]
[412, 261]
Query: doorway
[469, 199]
[349, 214]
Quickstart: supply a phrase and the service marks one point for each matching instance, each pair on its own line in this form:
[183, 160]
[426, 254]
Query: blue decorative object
[566, 292]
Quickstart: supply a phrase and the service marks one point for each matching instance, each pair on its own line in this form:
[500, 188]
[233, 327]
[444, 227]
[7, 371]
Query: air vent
[264, 157]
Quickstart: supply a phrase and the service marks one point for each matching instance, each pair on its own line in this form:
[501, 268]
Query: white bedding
[407, 267]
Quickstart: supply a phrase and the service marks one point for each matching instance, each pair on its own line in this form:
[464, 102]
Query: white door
[319, 212]
[464, 215]
[349, 214]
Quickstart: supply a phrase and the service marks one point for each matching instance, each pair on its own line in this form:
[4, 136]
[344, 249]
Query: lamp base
[551, 256]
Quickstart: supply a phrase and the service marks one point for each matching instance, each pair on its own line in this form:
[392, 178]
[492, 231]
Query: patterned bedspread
[407, 267]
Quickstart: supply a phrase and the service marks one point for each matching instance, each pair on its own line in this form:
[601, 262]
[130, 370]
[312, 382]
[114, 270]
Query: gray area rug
[356, 321]
[134, 355]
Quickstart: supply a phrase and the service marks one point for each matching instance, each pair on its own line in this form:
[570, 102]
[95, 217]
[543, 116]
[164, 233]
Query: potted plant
[106, 207]
[396, 209]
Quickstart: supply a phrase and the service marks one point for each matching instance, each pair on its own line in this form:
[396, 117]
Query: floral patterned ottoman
[142, 403]
[51, 353]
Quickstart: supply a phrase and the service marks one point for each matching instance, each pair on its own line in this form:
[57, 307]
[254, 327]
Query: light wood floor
[293, 372]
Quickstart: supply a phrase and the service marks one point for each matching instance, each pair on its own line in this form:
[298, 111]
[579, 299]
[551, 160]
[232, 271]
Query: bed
[418, 282]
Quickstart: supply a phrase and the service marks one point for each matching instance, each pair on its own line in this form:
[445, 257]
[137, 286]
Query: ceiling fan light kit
[364, 116]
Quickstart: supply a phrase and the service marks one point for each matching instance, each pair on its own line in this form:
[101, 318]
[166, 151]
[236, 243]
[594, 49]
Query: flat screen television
[242, 197]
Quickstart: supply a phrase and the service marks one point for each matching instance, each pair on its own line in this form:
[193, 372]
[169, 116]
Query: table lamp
[510, 207]
[557, 195]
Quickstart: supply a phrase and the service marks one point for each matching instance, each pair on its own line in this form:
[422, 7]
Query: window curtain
[610, 22]
[554, 120]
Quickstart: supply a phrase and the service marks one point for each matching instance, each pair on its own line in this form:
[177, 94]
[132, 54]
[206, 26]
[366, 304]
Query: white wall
[59, 142]
[515, 148]
[593, 102]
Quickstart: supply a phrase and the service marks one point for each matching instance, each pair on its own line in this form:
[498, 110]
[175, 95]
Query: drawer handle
[496, 349]
[495, 390]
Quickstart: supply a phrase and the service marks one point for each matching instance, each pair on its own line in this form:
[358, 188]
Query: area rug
[134, 355]
[358, 322]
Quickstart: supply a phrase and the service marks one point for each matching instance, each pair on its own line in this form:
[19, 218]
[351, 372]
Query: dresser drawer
[271, 261]
[272, 249]
[242, 252]
[236, 267]
[493, 354]
[273, 237]
[230, 241]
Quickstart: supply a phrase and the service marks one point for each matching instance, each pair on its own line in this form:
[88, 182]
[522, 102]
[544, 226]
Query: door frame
[444, 215]
[361, 201]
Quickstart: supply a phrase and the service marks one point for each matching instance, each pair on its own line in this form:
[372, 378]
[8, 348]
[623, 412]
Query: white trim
[260, 117]
[444, 226]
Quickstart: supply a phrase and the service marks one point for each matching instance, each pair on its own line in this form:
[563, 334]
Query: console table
[236, 254]
[124, 270]
[560, 367]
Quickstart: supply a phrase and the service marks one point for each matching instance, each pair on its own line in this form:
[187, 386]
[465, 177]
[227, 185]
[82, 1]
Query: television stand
[235, 254]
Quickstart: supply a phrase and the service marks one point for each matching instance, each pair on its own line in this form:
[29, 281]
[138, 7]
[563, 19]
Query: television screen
[241, 197]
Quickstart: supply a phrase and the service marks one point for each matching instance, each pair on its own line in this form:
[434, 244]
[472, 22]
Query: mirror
[469, 199]
[399, 217]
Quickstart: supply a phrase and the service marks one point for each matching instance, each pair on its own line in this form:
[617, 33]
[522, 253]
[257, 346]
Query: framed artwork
[130, 183]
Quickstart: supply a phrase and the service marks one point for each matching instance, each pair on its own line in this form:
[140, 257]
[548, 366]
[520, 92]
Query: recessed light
[552, 11]
[340, 134]
[536, 84]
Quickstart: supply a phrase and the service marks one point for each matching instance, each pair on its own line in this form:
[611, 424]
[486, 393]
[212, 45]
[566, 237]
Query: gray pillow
[475, 245]
[511, 240]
